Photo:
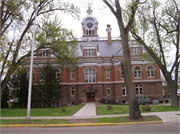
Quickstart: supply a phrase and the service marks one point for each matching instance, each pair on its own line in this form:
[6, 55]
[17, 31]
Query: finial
[89, 11]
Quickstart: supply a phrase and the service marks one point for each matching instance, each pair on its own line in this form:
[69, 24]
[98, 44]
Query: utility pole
[31, 67]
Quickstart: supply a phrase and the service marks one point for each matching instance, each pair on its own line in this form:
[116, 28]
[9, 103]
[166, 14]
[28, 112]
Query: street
[162, 128]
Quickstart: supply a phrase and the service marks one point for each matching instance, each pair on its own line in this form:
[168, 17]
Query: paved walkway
[88, 110]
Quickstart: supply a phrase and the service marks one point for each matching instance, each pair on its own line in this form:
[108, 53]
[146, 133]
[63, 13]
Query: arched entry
[91, 93]
[90, 97]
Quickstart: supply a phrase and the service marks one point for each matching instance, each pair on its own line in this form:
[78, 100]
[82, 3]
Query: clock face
[89, 25]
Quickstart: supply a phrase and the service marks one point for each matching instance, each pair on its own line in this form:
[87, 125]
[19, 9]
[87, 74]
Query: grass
[34, 121]
[124, 119]
[124, 109]
[54, 111]
[64, 121]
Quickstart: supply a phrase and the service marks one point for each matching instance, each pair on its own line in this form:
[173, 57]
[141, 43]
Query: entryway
[90, 97]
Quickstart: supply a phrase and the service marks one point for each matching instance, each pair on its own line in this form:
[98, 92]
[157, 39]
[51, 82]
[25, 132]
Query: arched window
[86, 32]
[93, 31]
[28, 74]
[121, 72]
[90, 75]
[41, 77]
[89, 32]
[150, 72]
[57, 74]
[137, 72]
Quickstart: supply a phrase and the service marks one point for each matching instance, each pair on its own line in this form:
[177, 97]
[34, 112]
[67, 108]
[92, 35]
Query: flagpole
[31, 68]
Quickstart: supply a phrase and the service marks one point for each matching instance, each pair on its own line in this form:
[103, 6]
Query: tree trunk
[173, 91]
[134, 112]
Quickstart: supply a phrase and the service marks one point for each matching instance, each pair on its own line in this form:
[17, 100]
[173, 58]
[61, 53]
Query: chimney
[108, 29]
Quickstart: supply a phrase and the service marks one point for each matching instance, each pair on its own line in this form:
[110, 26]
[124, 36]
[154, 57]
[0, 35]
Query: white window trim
[72, 73]
[135, 50]
[121, 71]
[89, 75]
[107, 71]
[137, 72]
[108, 88]
[89, 52]
[124, 87]
[58, 78]
[139, 87]
[72, 89]
[40, 75]
[44, 53]
[150, 71]
[33, 72]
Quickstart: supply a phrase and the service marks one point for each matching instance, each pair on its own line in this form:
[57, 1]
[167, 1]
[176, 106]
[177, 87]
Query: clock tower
[89, 27]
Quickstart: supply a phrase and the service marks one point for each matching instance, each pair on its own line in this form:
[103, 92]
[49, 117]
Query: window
[72, 75]
[107, 74]
[72, 91]
[139, 90]
[89, 52]
[150, 72]
[57, 74]
[121, 73]
[41, 77]
[44, 53]
[137, 72]
[135, 50]
[89, 31]
[108, 90]
[33, 72]
[90, 75]
[124, 93]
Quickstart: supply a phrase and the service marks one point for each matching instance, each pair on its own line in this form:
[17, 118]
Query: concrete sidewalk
[88, 110]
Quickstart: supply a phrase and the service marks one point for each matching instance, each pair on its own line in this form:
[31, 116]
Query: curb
[83, 124]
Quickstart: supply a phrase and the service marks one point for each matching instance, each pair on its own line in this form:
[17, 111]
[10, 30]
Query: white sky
[104, 17]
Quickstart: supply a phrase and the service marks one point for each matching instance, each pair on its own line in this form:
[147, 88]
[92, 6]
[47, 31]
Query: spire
[89, 11]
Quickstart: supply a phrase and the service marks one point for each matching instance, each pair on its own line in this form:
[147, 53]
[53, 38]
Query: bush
[63, 110]
[109, 107]
[146, 108]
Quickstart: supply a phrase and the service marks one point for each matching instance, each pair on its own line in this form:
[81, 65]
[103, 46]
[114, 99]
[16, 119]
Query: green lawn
[54, 111]
[74, 121]
[34, 121]
[124, 109]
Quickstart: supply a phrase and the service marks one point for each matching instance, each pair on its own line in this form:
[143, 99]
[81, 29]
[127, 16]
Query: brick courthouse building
[98, 75]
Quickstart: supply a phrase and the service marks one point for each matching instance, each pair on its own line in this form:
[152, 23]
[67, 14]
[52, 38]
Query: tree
[18, 86]
[116, 9]
[17, 18]
[50, 87]
[159, 34]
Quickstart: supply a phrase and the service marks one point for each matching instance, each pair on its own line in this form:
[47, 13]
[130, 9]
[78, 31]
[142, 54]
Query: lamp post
[31, 67]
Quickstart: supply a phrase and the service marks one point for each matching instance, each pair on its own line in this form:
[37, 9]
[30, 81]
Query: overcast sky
[104, 17]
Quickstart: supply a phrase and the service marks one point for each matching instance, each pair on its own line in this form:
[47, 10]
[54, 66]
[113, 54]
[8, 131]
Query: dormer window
[89, 52]
[43, 53]
[135, 50]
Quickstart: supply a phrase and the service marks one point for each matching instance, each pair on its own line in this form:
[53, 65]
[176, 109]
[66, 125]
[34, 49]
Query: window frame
[89, 52]
[150, 72]
[139, 89]
[72, 75]
[135, 50]
[108, 89]
[33, 72]
[72, 91]
[108, 74]
[123, 87]
[137, 72]
[90, 74]
[58, 73]
[44, 53]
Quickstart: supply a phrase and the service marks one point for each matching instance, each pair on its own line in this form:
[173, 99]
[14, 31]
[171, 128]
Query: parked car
[143, 101]
[155, 101]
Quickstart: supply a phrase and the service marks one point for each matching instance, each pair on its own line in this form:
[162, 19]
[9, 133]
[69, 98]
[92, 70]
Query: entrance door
[90, 97]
